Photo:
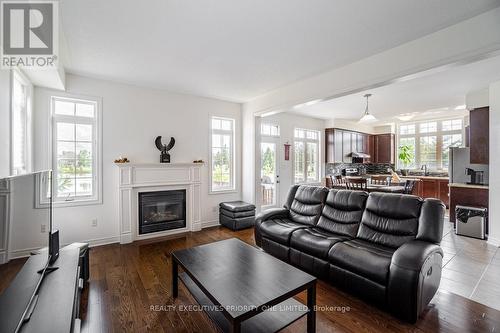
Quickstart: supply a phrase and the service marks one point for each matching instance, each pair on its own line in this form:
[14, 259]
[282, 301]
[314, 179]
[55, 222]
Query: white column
[494, 200]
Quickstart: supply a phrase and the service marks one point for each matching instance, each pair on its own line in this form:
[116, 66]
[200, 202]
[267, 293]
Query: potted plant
[406, 157]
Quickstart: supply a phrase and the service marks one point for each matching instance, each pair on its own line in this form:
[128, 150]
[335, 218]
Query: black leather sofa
[382, 247]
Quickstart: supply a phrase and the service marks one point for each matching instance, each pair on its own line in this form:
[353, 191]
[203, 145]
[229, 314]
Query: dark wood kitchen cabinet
[384, 148]
[479, 135]
[340, 144]
[433, 188]
[467, 195]
[347, 146]
[330, 145]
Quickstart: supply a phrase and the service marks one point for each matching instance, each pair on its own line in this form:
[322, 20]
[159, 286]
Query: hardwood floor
[129, 291]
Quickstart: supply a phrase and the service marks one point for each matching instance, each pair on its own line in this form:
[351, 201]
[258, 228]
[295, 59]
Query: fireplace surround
[137, 178]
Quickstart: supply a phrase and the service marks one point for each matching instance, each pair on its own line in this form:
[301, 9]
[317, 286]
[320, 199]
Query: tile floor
[471, 268]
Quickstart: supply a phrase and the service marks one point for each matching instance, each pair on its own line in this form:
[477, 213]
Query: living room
[239, 156]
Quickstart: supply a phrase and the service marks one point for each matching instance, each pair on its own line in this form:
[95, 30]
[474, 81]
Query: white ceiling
[434, 95]
[238, 50]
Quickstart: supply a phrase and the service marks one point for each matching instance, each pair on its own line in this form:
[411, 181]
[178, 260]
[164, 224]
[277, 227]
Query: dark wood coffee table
[237, 285]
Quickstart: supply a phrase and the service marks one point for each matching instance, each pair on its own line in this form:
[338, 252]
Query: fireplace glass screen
[163, 210]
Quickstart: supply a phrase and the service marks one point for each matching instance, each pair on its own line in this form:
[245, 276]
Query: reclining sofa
[382, 247]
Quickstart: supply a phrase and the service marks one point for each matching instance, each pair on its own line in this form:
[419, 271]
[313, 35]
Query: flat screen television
[25, 228]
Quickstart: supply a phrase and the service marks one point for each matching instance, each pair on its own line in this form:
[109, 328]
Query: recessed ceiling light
[461, 107]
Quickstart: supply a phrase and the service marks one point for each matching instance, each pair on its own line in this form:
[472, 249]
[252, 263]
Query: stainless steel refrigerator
[459, 161]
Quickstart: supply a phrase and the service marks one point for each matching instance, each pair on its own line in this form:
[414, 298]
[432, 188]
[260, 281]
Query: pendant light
[367, 117]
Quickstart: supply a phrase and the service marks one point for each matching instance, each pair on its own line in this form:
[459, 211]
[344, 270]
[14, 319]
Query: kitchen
[448, 158]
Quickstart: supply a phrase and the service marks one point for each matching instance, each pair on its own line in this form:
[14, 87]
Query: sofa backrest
[343, 211]
[307, 204]
[390, 219]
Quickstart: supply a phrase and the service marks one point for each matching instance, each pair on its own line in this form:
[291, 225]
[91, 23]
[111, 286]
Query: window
[75, 150]
[306, 156]
[430, 142]
[269, 130]
[20, 118]
[222, 154]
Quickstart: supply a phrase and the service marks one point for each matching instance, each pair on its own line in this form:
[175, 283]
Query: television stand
[57, 307]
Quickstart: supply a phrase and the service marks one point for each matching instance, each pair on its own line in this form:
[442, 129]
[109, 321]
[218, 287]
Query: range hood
[360, 155]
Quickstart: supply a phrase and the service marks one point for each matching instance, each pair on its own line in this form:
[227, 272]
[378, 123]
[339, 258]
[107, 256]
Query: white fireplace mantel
[134, 178]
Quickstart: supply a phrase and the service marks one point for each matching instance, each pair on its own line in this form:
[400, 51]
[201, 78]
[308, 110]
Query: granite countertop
[413, 176]
[483, 187]
[427, 177]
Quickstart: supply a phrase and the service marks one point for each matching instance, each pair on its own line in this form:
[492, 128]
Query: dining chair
[380, 180]
[409, 186]
[337, 181]
[356, 184]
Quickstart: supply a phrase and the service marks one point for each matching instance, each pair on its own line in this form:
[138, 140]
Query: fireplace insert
[162, 210]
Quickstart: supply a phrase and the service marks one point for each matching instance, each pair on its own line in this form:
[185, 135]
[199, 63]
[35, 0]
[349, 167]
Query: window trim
[318, 158]
[270, 124]
[233, 188]
[439, 133]
[96, 198]
[16, 74]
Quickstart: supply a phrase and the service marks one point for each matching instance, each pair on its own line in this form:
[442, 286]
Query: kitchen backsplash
[370, 168]
[375, 168]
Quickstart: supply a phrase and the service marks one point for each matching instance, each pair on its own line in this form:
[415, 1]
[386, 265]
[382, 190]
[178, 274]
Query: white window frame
[318, 158]
[232, 152]
[28, 123]
[96, 197]
[439, 133]
[271, 125]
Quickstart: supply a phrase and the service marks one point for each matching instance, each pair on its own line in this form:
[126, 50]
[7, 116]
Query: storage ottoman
[236, 215]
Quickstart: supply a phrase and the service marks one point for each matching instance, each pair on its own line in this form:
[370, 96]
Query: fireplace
[162, 210]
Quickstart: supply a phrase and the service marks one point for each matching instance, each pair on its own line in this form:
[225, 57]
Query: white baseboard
[102, 241]
[493, 241]
[207, 224]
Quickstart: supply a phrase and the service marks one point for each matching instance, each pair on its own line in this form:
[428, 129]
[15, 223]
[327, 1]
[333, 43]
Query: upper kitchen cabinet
[384, 148]
[340, 144]
[479, 136]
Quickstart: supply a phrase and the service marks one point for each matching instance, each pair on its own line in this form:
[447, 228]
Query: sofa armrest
[414, 278]
[412, 255]
[268, 215]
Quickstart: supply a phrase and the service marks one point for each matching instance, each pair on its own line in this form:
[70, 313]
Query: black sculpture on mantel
[164, 156]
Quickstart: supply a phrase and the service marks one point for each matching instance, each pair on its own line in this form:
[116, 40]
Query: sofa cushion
[279, 230]
[366, 259]
[307, 204]
[390, 219]
[315, 241]
[343, 211]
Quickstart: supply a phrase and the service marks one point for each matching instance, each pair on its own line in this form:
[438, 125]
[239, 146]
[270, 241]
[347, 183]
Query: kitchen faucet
[426, 171]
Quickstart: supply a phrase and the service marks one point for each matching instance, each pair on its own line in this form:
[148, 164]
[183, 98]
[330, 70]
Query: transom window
[306, 156]
[222, 154]
[269, 129]
[429, 142]
[75, 151]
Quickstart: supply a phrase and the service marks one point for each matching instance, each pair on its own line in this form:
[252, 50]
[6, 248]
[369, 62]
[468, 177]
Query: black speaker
[54, 245]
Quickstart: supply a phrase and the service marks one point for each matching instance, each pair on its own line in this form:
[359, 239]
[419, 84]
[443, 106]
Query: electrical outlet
[94, 222]
[43, 228]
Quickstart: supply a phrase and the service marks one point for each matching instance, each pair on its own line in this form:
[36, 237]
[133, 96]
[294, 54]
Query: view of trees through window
[306, 156]
[430, 142]
[74, 142]
[222, 154]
